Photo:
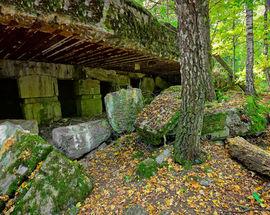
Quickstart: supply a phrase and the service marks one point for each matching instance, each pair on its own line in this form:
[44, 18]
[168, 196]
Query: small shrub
[257, 113]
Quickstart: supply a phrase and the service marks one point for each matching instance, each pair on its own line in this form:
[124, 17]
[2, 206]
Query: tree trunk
[250, 89]
[204, 28]
[234, 53]
[251, 156]
[266, 41]
[193, 71]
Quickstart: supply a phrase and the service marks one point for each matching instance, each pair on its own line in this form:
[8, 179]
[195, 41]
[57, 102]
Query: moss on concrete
[56, 189]
[123, 23]
[20, 160]
[87, 87]
[37, 86]
[89, 106]
[42, 109]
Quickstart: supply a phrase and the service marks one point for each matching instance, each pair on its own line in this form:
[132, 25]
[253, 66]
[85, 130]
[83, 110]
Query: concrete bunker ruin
[55, 62]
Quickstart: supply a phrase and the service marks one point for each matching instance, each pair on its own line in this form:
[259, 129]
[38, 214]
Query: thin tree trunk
[234, 52]
[193, 71]
[266, 41]
[250, 89]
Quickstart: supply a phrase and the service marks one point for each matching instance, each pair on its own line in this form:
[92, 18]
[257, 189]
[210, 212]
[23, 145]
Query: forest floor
[218, 186]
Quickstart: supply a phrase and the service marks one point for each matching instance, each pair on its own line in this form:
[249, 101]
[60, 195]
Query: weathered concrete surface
[42, 109]
[36, 86]
[108, 34]
[107, 76]
[16, 69]
[77, 140]
[19, 157]
[122, 108]
[87, 87]
[56, 189]
[7, 130]
[89, 106]
[36, 178]
[28, 125]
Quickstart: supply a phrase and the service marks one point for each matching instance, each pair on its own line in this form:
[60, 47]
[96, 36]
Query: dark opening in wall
[135, 83]
[67, 98]
[105, 88]
[10, 105]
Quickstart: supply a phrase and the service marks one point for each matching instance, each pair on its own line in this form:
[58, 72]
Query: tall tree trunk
[250, 89]
[204, 28]
[193, 73]
[266, 41]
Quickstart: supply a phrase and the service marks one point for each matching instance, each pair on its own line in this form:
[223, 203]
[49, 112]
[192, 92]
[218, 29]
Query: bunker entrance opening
[105, 88]
[67, 98]
[10, 107]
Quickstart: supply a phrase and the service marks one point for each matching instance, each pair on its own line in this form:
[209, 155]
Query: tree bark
[193, 72]
[250, 89]
[204, 28]
[251, 156]
[266, 41]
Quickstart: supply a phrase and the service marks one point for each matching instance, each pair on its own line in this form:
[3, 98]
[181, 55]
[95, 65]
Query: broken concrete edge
[70, 181]
[22, 184]
[108, 20]
[75, 141]
[155, 137]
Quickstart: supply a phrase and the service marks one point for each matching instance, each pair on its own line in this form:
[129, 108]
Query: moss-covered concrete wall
[39, 91]
[88, 101]
[118, 23]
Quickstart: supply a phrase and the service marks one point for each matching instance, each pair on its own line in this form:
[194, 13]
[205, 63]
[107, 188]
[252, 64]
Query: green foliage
[147, 168]
[138, 155]
[257, 113]
[257, 197]
[221, 96]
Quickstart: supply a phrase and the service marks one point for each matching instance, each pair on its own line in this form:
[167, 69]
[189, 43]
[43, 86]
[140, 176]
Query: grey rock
[8, 130]
[22, 170]
[205, 182]
[136, 210]
[27, 125]
[235, 125]
[77, 140]
[102, 146]
[122, 108]
[163, 156]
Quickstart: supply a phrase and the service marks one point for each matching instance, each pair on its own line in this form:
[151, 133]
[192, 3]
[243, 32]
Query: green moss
[27, 152]
[61, 182]
[147, 168]
[213, 122]
[257, 113]
[89, 106]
